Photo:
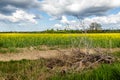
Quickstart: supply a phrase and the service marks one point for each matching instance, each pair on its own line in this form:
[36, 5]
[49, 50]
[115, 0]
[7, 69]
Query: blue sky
[38, 15]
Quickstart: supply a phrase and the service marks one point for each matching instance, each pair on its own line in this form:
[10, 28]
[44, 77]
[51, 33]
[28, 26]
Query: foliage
[79, 31]
[95, 26]
[70, 31]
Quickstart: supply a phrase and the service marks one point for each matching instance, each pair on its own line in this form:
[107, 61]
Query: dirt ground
[33, 54]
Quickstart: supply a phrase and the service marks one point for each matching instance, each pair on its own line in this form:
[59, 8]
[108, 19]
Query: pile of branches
[79, 60]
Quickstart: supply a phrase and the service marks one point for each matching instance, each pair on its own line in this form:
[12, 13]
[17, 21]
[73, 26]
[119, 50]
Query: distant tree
[95, 26]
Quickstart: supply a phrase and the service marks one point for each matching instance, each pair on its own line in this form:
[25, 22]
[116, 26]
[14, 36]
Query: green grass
[116, 54]
[104, 72]
[34, 70]
[22, 70]
[9, 50]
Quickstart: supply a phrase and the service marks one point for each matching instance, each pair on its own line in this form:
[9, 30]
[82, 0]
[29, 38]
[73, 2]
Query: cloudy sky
[38, 15]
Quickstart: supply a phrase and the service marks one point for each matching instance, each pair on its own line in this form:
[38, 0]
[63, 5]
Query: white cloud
[73, 21]
[64, 20]
[10, 6]
[81, 8]
[19, 16]
[107, 22]
[58, 26]
[111, 19]
[65, 23]
[71, 24]
[68, 27]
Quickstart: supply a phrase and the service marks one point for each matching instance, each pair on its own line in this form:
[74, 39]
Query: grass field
[38, 69]
[26, 40]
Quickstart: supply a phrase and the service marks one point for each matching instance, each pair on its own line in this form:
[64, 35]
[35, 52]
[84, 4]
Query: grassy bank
[36, 70]
[103, 72]
[39, 70]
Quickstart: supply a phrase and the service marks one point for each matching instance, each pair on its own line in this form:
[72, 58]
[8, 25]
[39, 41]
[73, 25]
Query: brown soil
[33, 54]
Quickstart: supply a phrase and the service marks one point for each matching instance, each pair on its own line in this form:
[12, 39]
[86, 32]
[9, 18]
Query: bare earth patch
[33, 54]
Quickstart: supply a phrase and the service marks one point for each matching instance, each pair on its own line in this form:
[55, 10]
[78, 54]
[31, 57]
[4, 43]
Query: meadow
[39, 70]
[21, 40]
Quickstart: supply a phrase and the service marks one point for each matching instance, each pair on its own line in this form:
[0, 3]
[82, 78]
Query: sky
[39, 15]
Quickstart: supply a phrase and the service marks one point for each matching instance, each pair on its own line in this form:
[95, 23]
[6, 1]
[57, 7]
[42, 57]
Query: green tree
[95, 26]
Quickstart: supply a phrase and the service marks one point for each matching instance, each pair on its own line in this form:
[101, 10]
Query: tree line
[93, 28]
